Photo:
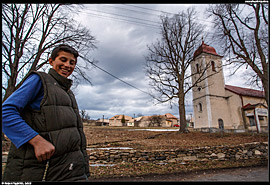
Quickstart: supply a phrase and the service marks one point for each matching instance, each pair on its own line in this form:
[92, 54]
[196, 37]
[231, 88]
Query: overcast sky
[122, 46]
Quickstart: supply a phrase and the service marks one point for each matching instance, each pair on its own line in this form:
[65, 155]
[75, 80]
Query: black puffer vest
[59, 122]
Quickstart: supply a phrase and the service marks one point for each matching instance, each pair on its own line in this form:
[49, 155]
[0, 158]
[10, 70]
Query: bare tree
[155, 120]
[242, 30]
[84, 115]
[30, 31]
[168, 61]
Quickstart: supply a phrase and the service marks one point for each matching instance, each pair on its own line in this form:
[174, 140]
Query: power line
[125, 16]
[116, 77]
[147, 8]
[161, 11]
[156, 25]
[121, 79]
[124, 20]
[136, 11]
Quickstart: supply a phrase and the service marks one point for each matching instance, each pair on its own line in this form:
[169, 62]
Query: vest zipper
[45, 171]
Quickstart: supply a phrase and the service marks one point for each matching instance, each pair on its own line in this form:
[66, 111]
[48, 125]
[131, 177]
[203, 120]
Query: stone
[126, 153]
[200, 155]
[115, 156]
[237, 157]
[161, 158]
[141, 159]
[92, 158]
[257, 152]
[249, 153]
[221, 155]
[213, 155]
[190, 158]
[204, 159]
[172, 161]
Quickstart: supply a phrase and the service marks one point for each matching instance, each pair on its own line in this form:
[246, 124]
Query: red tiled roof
[244, 91]
[170, 116]
[253, 106]
[204, 48]
[248, 106]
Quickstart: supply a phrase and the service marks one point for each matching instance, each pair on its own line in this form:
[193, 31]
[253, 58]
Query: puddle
[155, 130]
[111, 148]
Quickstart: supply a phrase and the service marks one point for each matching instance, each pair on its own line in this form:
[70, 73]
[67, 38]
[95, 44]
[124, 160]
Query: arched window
[200, 107]
[220, 124]
[213, 64]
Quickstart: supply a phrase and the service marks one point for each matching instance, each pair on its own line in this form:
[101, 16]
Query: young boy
[42, 120]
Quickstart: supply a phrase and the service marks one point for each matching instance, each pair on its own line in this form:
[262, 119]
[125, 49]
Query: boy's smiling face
[64, 63]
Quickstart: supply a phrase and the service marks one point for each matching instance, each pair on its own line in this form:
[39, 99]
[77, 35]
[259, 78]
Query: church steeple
[204, 48]
[207, 65]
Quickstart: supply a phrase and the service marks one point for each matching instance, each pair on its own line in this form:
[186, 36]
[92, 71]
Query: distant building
[102, 122]
[224, 106]
[170, 119]
[119, 120]
[166, 120]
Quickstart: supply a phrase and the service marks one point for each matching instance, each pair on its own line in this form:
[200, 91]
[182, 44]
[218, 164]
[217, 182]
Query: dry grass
[147, 140]
[141, 169]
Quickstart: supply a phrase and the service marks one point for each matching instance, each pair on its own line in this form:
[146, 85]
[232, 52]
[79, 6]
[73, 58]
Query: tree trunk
[266, 90]
[182, 114]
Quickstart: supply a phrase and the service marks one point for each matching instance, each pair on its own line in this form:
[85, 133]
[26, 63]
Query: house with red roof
[216, 105]
[166, 120]
[119, 120]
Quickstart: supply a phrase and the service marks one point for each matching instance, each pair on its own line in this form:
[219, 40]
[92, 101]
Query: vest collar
[64, 82]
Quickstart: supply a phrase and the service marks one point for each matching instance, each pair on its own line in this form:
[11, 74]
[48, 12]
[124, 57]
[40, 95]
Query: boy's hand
[43, 148]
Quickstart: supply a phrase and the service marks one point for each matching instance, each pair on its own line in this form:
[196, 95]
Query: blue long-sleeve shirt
[30, 93]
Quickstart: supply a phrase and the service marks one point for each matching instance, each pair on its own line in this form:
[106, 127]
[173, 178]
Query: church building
[216, 105]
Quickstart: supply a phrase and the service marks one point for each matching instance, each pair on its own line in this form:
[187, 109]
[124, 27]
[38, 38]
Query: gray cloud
[121, 50]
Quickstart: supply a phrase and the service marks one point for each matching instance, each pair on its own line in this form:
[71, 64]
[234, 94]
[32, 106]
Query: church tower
[209, 94]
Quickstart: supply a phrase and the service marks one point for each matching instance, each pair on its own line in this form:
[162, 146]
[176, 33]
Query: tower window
[200, 107]
[197, 68]
[213, 64]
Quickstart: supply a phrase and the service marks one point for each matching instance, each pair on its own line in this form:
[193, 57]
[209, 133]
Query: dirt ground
[245, 174]
[149, 140]
[155, 140]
